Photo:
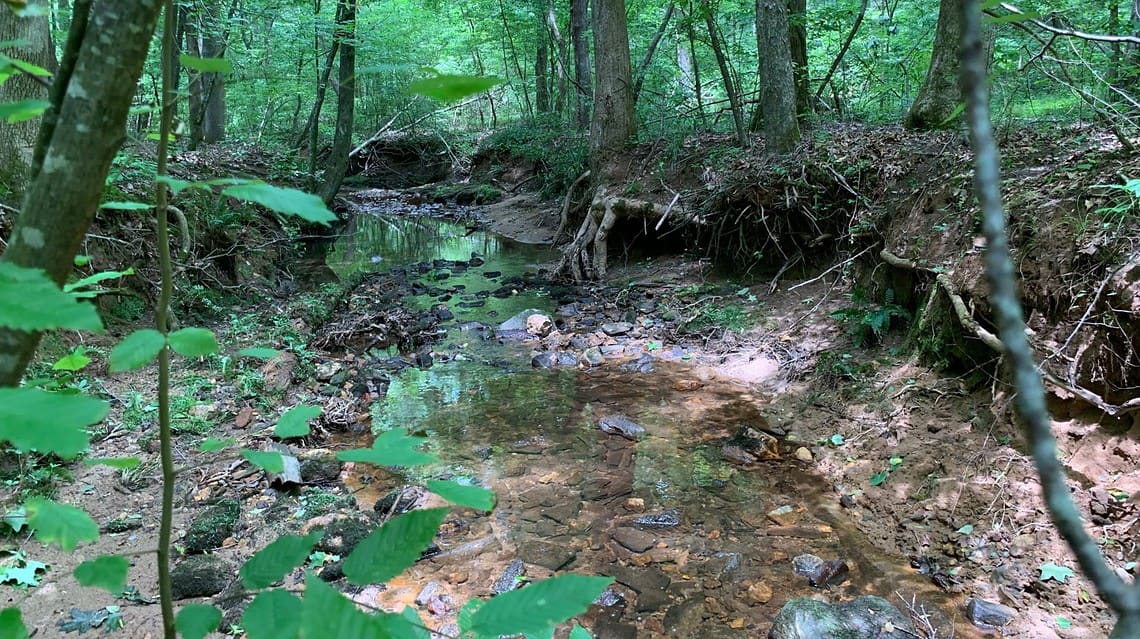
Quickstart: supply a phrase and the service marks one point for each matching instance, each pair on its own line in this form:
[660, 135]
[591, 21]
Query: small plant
[892, 465]
[869, 322]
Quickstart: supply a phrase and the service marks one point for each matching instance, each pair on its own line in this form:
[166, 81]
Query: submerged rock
[518, 322]
[865, 617]
[665, 519]
[621, 425]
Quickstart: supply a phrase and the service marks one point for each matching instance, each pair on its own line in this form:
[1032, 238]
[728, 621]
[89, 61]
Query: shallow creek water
[569, 496]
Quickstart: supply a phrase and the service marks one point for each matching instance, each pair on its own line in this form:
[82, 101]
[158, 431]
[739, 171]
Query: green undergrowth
[559, 155]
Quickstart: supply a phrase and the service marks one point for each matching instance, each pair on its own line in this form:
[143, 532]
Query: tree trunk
[62, 197]
[346, 101]
[797, 41]
[698, 90]
[583, 89]
[639, 77]
[318, 103]
[777, 84]
[937, 101]
[560, 59]
[726, 75]
[541, 67]
[613, 124]
[19, 138]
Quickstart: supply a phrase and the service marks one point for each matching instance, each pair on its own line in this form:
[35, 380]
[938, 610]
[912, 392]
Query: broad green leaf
[214, 444]
[1063, 623]
[22, 110]
[15, 518]
[81, 260]
[418, 629]
[136, 350]
[326, 614]
[1054, 572]
[34, 419]
[60, 524]
[580, 633]
[878, 478]
[95, 279]
[273, 614]
[965, 530]
[206, 65]
[259, 353]
[270, 462]
[197, 620]
[30, 301]
[295, 421]
[393, 547]
[306, 206]
[193, 342]
[544, 634]
[391, 448]
[538, 606]
[119, 463]
[467, 612]
[837, 440]
[76, 360]
[29, 68]
[449, 88]
[177, 186]
[270, 564]
[108, 572]
[475, 497]
[12, 624]
[127, 206]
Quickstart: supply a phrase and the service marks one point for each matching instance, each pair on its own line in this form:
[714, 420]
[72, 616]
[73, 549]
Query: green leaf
[1063, 623]
[108, 572]
[1054, 572]
[295, 421]
[16, 518]
[965, 530]
[206, 65]
[60, 524]
[418, 629]
[837, 440]
[538, 606]
[95, 279]
[22, 110]
[197, 620]
[895, 462]
[29, 68]
[127, 206]
[449, 88]
[391, 448]
[273, 614]
[76, 360]
[259, 353]
[12, 624]
[81, 260]
[214, 444]
[328, 615]
[306, 206]
[270, 462]
[136, 350]
[580, 633]
[475, 497]
[34, 419]
[119, 463]
[393, 547]
[193, 342]
[25, 574]
[270, 564]
[878, 478]
[30, 301]
[177, 186]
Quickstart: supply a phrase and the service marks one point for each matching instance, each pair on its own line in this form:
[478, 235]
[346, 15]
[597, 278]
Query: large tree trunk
[777, 84]
[935, 105]
[346, 100]
[613, 124]
[64, 194]
[584, 93]
[17, 139]
[206, 38]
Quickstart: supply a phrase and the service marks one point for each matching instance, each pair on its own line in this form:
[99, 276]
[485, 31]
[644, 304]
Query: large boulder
[861, 618]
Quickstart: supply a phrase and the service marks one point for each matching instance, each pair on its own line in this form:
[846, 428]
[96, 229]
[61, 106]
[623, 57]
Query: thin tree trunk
[639, 77]
[560, 60]
[797, 41]
[318, 103]
[514, 58]
[697, 88]
[777, 88]
[346, 100]
[726, 74]
[63, 194]
[541, 67]
[583, 85]
[843, 49]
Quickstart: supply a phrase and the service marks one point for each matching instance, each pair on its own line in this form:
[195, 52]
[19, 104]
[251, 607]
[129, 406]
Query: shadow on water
[715, 562]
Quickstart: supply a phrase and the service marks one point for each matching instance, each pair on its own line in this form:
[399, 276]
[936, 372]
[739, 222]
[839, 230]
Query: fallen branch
[565, 219]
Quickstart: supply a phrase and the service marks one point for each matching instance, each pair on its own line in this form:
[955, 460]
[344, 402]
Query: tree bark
[730, 89]
[777, 84]
[797, 41]
[937, 101]
[345, 103]
[559, 60]
[613, 124]
[583, 85]
[19, 138]
[541, 66]
[318, 103]
[62, 197]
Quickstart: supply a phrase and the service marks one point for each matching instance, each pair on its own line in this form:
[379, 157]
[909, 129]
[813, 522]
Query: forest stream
[707, 519]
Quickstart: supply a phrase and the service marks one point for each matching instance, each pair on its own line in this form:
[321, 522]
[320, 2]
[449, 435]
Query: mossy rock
[200, 576]
[342, 535]
[861, 618]
[212, 527]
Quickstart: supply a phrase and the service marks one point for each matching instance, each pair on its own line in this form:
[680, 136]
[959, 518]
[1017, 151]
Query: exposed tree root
[565, 219]
[605, 210]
